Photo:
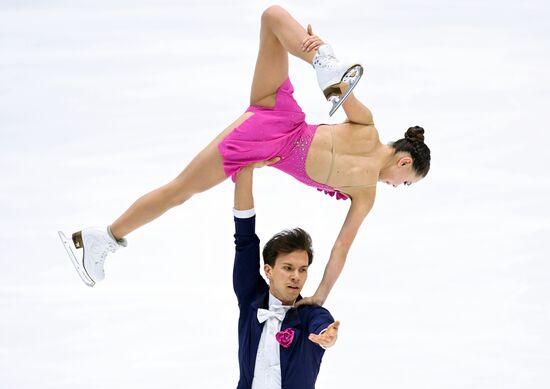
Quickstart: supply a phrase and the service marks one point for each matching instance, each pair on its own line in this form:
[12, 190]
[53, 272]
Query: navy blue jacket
[300, 362]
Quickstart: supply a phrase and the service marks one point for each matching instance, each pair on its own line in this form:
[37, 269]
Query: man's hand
[256, 165]
[327, 338]
[312, 42]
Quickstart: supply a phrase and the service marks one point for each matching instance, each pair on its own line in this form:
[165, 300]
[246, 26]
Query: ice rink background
[447, 283]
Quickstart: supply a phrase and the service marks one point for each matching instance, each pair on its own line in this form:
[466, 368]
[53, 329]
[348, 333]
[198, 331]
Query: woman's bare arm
[356, 111]
[359, 209]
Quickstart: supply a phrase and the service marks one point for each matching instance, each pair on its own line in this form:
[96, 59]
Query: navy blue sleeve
[247, 281]
[319, 319]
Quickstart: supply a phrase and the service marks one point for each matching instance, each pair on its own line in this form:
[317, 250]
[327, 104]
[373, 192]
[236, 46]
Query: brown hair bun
[415, 134]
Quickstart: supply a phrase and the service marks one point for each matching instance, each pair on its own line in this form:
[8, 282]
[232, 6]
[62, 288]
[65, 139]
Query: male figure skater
[279, 346]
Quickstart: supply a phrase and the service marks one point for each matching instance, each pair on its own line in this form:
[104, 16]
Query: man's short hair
[285, 242]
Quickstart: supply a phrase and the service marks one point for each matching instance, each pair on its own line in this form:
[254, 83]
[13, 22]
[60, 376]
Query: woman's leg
[204, 172]
[280, 34]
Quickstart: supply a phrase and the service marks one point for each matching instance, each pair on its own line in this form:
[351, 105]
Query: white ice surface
[446, 285]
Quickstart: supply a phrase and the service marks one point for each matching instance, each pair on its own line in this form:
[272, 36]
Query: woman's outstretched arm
[359, 209]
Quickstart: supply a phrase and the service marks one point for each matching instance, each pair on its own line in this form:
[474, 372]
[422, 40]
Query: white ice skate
[331, 73]
[95, 243]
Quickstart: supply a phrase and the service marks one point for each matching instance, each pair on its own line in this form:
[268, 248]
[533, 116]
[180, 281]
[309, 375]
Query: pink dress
[280, 131]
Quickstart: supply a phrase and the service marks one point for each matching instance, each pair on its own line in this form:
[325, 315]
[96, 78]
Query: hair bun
[415, 134]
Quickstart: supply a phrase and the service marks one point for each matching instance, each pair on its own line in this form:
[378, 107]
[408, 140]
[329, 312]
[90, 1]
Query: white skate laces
[331, 72]
[327, 66]
[96, 244]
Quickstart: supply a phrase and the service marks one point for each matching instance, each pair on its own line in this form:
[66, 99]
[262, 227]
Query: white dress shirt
[244, 214]
[267, 372]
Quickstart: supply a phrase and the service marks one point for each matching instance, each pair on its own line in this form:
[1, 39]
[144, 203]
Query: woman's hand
[312, 42]
[327, 338]
[344, 86]
[313, 300]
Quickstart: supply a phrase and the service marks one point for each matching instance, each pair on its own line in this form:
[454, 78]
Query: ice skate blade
[68, 244]
[332, 93]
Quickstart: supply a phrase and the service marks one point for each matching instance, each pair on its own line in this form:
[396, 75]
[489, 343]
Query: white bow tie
[276, 311]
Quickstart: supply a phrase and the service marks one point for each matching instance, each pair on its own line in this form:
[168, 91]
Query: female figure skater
[345, 160]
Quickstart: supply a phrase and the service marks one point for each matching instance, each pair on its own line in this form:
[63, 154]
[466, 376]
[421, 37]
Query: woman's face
[401, 173]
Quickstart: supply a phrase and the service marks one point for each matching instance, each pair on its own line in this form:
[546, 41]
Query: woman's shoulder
[357, 138]
[362, 196]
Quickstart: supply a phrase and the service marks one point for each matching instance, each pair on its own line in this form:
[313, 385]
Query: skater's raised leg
[281, 34]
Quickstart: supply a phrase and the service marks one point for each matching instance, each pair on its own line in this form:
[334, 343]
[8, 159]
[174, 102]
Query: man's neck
[274, 299]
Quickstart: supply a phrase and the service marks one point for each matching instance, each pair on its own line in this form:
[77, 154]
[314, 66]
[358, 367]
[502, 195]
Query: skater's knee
[177, 193]
[273, 13]
[179, 198]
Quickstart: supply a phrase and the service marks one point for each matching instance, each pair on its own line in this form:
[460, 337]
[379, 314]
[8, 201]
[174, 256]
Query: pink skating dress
[280, 131]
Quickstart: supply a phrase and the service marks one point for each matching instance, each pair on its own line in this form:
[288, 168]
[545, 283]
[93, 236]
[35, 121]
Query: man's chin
[288, 294]
[293, 292]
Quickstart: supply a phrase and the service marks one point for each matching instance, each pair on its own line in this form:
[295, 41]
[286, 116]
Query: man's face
[288, 276]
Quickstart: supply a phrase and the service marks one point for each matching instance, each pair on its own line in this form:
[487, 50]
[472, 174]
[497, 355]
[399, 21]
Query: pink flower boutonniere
[285, 337]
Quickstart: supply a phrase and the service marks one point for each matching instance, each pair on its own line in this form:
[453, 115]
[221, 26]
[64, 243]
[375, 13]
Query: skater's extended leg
[89, 247]
[204, 172]
[280, 34]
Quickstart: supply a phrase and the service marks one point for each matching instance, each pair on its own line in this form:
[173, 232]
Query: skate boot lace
[326, 61]
[110, 248]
